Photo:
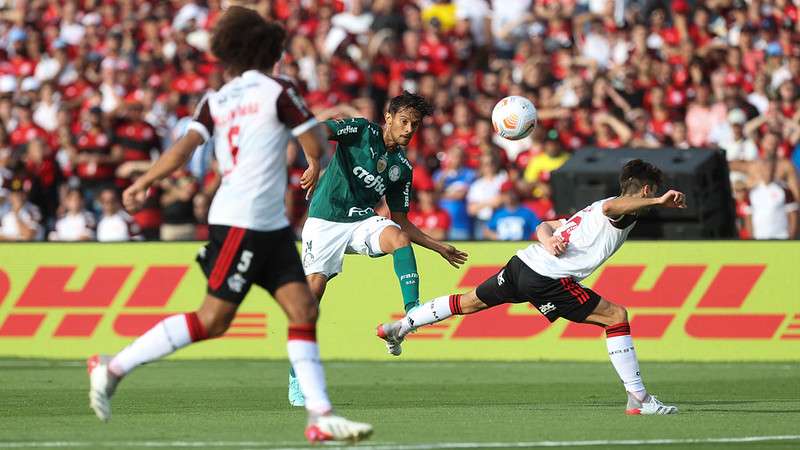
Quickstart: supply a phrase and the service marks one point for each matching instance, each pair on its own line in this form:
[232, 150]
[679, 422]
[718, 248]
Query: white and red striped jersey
[591, 237]
[251, 119]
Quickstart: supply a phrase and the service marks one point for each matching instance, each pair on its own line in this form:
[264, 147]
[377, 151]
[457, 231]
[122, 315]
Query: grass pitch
[413, 405]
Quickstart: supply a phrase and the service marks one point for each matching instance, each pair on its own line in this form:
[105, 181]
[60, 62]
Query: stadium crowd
[92, 90]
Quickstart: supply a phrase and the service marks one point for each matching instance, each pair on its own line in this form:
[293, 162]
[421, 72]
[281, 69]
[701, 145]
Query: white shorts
[325, 243]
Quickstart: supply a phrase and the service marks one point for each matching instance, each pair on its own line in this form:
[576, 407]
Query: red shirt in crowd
[431, 220]
[94, 142]
[26, 132]
[137, 139]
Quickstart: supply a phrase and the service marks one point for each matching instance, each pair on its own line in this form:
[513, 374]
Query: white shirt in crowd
[74, 227]
[770, 205]
[117, 227]
[484, 189]
[29, 215]
[592, 238]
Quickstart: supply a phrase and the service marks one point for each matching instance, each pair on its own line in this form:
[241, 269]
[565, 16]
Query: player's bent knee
[618, 314]
[216, 325]
[402, 240]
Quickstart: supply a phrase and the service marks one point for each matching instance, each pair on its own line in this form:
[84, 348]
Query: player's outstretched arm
[621, 206]
[175, 157]
[454, 256]
[312, 141]
[552, 244]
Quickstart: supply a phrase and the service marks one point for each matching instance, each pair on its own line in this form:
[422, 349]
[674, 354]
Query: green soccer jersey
[361, 172]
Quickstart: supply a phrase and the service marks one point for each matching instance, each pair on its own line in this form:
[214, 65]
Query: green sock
[405, 266]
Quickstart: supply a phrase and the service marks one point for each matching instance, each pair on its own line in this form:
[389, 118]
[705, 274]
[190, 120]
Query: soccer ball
[514, 117]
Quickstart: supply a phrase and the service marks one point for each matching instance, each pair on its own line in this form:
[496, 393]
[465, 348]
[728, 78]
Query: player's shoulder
[401, 156]
[350, 125]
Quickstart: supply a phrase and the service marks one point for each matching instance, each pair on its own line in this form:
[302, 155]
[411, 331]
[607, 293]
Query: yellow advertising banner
[692, 301]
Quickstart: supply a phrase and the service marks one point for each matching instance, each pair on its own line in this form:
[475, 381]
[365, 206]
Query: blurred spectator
[512, 221]
[702, 116]
[773, 202]
[177, 207]
[739, 149]
[200, 205]
[94, 159]
[115, 224]
[601, 73]
[22, 221]
[76, 223]
[537, 174]
[453, 182]
[741, 196]
[135, 139]
[428, 216]
[484, 194]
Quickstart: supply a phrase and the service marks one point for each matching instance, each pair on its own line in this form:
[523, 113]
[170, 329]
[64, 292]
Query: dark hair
[409, 100]
[243, 40]
[636, 174]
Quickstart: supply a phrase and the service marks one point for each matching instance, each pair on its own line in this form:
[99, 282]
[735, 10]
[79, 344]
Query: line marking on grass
[392, 446]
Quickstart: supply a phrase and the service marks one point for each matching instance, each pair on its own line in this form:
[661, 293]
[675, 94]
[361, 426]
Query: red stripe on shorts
[570, 287]
[229, 249]
[579, 289]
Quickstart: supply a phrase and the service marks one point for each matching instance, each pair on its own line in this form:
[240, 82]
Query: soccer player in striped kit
[251, 119]
[548, 273]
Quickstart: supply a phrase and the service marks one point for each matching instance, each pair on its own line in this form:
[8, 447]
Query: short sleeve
[398, 197]
[202, 122]
[346, 130]
[292, 110]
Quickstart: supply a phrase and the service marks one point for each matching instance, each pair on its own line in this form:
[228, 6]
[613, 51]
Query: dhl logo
[716, 315]
[46, 290]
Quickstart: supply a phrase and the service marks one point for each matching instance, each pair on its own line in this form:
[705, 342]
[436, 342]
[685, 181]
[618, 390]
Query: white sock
[430, 312]
[165, 337]
[304, 356]
[623, 357]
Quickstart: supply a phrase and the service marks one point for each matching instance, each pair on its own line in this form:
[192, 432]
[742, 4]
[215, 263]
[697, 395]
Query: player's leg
[323, 247]
[396, 242]
[283, 277]
[614, 318]
[226, 263]
[171, 334]
[498, 289]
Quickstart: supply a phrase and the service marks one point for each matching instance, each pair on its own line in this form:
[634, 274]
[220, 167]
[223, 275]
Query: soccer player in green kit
[369, 163]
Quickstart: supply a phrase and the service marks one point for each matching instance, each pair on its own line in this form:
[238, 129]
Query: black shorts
[236, 258]
[554, 298]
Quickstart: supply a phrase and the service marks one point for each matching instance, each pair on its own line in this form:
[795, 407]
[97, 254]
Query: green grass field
[413, 405]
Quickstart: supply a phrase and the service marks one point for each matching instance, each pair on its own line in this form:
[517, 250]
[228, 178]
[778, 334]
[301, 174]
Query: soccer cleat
[102, 385]
[336, 428]
[650, 406]
[390, 333]
[296, 397]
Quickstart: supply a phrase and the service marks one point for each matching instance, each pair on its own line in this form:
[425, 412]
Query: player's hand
[453, 255]
[555, 245]
[673, 199]
[133, 198]
[309, 179]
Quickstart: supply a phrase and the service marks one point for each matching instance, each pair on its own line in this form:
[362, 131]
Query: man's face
[108, 202]
[402, 125]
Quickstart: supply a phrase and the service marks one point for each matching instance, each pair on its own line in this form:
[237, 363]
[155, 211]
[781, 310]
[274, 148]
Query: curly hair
[409, 100]
[636, 174]
[243, 40]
